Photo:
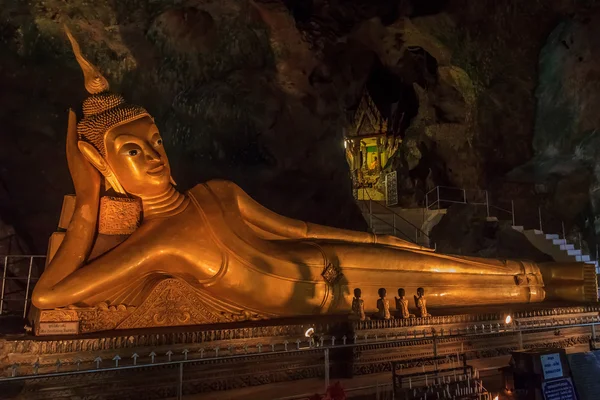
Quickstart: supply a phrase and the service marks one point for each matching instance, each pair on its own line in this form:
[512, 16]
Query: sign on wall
[391, 189]
[58, 328]
[559, 389]
[551, 366]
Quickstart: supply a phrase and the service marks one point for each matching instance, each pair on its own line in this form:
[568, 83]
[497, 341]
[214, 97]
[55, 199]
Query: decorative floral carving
[169, 311]
[332, 273]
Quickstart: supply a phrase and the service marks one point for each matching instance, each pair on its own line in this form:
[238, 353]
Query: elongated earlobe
[92, 155]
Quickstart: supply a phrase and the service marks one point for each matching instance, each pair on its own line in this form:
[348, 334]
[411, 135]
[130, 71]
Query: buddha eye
[133, 152]
[159, 142]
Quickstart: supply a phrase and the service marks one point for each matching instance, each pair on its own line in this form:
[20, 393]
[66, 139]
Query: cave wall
[566, 139]
[257, 92]
[236, 91]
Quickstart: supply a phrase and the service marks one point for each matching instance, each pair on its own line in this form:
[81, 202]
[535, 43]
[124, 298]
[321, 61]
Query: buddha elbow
[44, 299]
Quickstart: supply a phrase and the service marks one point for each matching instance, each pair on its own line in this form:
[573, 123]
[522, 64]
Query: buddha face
[135, 153]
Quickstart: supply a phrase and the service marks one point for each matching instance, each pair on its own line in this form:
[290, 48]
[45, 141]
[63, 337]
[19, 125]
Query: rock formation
[258, 92]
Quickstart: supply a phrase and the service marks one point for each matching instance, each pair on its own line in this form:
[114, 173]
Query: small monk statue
[358, 306]
[421, 303]
[402, 305]
[234, 255]
[383, 305]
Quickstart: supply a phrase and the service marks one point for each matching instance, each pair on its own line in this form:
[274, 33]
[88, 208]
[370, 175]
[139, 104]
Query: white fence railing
[443, 196]
[16, 286]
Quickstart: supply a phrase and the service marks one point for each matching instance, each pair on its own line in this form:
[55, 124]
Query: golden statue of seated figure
[154, 256]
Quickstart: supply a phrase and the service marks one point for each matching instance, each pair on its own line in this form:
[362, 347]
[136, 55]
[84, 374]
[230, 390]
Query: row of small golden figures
[383, 305]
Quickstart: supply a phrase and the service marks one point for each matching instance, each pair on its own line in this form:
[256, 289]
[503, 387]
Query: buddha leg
[448, 280]
[570, 281]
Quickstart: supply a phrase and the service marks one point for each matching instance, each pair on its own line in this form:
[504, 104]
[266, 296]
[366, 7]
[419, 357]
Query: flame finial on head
[94, 81]
[102, 110]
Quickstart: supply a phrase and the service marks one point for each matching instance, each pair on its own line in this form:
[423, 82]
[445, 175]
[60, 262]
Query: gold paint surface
[247, 260]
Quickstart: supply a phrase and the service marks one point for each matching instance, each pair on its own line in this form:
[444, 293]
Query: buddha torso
[210, 246]
[402, 307]
[383, 305]
[169, 252]
[358, 308]
[422, 307]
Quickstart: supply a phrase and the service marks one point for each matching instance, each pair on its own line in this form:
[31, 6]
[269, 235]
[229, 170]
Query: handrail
[440, 198]
[398, 215]
[392, 226]
[5, 260]
[370, 211]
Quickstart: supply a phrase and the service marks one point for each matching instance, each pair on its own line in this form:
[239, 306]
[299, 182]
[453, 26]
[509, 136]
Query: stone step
[552, 236]
[583, 258]
[518, 228]
[538, 232]
[567, 247]
[559, 241]
[574, 252]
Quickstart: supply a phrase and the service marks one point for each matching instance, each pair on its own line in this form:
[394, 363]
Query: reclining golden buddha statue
[147, 255]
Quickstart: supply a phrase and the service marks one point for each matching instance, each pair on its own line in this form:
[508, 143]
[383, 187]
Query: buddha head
[120, 139]
[357, 293]
[420, 292]
[401, 293]
[382, 292]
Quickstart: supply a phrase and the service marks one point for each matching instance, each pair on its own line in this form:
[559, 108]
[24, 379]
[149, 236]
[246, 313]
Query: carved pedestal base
[172, 302]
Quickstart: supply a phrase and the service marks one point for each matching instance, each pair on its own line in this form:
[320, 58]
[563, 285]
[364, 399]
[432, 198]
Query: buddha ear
[92, 155]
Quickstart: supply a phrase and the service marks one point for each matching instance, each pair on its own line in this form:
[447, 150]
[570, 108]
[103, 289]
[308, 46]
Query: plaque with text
[559, 389]
[551, 366]
[391, 188]
[58, 328]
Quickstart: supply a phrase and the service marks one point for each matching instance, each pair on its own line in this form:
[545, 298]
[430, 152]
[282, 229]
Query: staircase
[559, 249]
[415, 224]
[411, 224]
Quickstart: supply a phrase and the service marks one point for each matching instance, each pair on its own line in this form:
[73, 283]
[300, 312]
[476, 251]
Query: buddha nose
[151, 154]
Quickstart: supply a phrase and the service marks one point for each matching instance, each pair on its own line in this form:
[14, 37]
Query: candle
[426, 380]
[409, 383]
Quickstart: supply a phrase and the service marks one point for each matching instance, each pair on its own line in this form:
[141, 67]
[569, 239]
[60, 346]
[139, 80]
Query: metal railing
[305, 344]
[441, 196]
[368, 209]
[19, 286]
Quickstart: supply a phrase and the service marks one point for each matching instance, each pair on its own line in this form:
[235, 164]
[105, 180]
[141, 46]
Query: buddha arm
[79, 237]
[275, 226]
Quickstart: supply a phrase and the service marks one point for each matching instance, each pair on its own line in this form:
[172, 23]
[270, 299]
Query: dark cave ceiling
[258, 91]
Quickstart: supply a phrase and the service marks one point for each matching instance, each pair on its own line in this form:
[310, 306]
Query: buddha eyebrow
[124, 136]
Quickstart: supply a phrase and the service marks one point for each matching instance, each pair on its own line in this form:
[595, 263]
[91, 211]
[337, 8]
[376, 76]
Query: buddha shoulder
[218, 189]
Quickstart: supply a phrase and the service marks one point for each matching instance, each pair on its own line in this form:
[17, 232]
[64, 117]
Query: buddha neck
[169, 203]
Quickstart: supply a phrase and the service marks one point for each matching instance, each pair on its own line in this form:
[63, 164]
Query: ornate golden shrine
[369, 130]
[145, 255]
[367, 120]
